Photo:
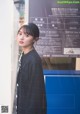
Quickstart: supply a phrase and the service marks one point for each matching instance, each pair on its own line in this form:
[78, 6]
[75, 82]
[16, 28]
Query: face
[24, 40]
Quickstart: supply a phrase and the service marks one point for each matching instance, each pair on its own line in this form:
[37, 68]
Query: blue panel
[62, 101]
[63, 95]
[62, 72]
[61, 111]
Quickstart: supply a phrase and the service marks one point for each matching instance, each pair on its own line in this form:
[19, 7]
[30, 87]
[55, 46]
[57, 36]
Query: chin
[21, 45]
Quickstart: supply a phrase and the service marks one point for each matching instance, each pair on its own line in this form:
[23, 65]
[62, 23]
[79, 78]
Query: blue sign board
[63, 92]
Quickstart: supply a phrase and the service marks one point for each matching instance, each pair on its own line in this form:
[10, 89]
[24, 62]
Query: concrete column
[6, 34]
[26, 11]
[14, 53]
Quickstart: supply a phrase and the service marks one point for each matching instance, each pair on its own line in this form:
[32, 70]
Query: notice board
[59, 24]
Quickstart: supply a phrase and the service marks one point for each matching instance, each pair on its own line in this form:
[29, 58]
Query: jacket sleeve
[32, 98]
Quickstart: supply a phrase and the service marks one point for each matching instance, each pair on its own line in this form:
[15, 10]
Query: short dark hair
[31, 29]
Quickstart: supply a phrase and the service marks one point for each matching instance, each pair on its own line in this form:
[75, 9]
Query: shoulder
[34, 57]
[32, 63]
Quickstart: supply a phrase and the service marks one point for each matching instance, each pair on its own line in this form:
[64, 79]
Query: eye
[27, 35]
[20, 33]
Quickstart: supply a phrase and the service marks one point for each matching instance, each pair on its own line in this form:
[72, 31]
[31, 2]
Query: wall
[6, 34]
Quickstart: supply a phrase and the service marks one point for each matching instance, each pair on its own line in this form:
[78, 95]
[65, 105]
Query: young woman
[31, 97]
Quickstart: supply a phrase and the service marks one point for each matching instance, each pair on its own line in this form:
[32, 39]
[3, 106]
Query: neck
[26, 50]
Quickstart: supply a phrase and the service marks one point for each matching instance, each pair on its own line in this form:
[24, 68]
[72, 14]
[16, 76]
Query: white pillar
[26, 11]
[6, 34]
[14, 53]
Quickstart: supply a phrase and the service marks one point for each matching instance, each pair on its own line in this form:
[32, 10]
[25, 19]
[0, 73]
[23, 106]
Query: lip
[21, 42]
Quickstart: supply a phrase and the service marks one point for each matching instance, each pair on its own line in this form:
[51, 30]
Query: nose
[21, 37]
